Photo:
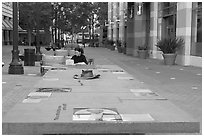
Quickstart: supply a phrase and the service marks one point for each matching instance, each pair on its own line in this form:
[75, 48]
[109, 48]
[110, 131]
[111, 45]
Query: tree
[74, 15]
[35, 15]
[26, 18]
[77, 14]
[88, 14]
[101, 12]
[71, 16]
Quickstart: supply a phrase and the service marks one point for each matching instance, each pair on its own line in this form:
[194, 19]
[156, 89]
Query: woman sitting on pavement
[79, 56]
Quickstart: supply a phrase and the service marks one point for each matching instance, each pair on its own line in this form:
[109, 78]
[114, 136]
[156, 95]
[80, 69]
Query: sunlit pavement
[181, 85]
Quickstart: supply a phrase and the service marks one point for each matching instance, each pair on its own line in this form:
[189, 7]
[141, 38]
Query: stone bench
[61, 53]
[67, 52]
[49, 60]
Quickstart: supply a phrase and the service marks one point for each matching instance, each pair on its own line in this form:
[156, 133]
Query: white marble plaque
[39, 94]
[31, 100]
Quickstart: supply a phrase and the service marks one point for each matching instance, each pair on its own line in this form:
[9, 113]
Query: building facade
[7, 27]
[144, 23]
[7, 23]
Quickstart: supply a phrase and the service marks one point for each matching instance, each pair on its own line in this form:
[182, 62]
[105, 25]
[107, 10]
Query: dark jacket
[78, 59]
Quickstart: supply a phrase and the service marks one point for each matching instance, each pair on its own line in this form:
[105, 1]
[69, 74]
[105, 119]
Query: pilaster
[184, 14]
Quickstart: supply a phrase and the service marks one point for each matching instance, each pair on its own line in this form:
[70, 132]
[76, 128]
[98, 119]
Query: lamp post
[15, 65]
[58, 19]
[55, 24]
[38, 55]
[83, 28]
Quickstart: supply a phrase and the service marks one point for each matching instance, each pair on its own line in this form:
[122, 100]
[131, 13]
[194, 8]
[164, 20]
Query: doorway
[170, 26]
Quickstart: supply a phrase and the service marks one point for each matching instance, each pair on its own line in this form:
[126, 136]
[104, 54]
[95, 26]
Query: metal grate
[58, 69]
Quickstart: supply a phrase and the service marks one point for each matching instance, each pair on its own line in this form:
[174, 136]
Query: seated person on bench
[79, 56]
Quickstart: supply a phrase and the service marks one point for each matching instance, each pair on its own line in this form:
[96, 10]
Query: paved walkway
[181, 85]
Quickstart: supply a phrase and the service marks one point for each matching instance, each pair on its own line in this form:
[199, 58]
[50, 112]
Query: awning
[8, 25]
[5, 26]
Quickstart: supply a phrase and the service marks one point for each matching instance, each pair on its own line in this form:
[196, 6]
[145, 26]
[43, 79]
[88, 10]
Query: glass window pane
[196, 37]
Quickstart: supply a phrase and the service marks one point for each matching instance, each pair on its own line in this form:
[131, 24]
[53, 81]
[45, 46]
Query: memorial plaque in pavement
[96, 114]
[36, 97]
[144, 94]
[54, 90]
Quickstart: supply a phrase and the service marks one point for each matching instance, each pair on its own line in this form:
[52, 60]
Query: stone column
[115, 31]
[139, 29]
[109, 20]
[183, 29]
[122, 21]
[160, 29]
[153, 29]
[130, 35]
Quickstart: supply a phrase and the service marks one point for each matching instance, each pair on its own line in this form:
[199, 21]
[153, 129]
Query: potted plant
[142, 52]
[111, 44]
[169, 47]
[124, 48]
[108, 43]
[119, 46]
[104, 42]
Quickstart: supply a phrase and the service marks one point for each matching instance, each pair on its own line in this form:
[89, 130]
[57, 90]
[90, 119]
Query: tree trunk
[48, 38]
[72, 34]
[38, 52]
[59, 39]
[83, 42]
[29, 36]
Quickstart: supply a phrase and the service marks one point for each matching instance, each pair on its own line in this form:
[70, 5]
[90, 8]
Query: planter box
[112, 47]
[123, 50]
[119, 49]
[169, 59]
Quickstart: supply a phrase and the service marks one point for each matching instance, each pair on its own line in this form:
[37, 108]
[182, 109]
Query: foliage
[170, 45]
[110, 42]
[33, 14]
[71, 16]
[104, 41]
[125, 44]
[119, 43]
[101, 11]
[77, 14]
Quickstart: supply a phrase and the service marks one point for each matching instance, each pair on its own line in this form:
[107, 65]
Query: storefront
[148, 22]
[7, 24]
[182, 19]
